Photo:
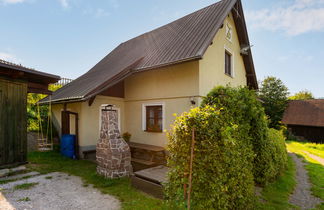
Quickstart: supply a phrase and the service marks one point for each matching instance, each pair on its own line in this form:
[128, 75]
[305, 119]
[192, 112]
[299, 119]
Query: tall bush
[222, 168]
[244, 109]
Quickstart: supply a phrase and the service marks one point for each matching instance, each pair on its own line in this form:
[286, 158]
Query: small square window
[154, 118]
[228, 64]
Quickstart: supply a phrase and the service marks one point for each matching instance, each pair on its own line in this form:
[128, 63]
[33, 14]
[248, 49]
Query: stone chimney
[113, 153]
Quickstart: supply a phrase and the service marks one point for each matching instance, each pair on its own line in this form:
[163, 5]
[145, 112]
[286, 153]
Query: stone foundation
[113, 153]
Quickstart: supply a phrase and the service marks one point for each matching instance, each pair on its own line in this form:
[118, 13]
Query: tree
[302, 95]
[274, 95]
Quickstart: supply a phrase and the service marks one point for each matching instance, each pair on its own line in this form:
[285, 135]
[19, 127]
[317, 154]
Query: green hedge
[222, 170]
[234, 149]
[272, 157]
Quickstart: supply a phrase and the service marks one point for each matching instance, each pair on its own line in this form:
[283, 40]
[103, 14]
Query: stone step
[7, 171]
[19, 176]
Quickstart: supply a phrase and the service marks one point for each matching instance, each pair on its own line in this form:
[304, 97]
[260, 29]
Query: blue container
[67, 146]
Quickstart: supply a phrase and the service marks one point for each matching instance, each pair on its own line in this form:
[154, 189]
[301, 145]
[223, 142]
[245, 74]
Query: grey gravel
[302, 196]
[61, 192]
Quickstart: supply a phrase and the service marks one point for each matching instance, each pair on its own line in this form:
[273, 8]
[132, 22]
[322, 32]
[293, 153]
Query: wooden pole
[191, 163]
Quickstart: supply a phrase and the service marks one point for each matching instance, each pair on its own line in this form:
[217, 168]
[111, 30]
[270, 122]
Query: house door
[70, 125]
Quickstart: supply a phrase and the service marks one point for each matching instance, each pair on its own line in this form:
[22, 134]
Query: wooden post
[191, 163]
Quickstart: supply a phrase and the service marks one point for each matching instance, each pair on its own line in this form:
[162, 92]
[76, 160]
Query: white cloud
[64, 3]
[300, 17]
[12, 1]
[8, 57]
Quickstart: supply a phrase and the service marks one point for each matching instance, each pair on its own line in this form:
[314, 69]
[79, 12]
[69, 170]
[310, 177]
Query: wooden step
[144, 162]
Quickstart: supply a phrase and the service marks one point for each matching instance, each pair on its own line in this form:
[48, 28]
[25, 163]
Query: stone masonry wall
[113, 153]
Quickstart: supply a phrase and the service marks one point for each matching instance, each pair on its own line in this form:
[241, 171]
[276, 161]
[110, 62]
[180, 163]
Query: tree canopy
[274, 95]
[302, 95]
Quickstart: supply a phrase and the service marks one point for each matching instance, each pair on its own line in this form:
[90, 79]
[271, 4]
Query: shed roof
[305, 112]
[182, 40]
[37, 81]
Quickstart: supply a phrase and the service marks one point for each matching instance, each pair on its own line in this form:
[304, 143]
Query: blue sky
[68, 37]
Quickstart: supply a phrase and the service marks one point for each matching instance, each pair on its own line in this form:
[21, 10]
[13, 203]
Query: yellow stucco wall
[89, 118]
[212, 66]
[173, 86]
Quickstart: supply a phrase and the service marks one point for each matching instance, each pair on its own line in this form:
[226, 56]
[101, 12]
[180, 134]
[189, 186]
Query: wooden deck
[150, 180]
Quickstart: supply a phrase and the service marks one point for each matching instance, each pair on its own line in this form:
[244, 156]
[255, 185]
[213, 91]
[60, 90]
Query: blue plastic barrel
[67, 146]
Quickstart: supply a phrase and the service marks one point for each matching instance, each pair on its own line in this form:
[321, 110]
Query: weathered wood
[146, 147]
[13, 118]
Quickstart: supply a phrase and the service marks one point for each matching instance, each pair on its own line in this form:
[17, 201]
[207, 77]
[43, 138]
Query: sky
[68, 37]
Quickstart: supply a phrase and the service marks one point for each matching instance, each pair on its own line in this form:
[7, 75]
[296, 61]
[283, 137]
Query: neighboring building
[15, 82]
[305, 118]
[162, 72]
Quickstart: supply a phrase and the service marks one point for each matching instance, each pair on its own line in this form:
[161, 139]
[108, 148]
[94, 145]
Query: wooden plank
[144, 162]
[13, 128]
[156, 174]
[148, 187]
[146, 147]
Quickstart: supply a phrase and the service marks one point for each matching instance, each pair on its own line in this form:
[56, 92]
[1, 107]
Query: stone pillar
[113, 153]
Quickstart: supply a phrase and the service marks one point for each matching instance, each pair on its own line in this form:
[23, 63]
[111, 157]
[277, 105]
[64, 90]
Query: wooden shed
[305, 119]
[15, 82]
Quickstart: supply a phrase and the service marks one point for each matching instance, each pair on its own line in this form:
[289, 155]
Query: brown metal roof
[179, 41]
[305, 112]
[9, 66]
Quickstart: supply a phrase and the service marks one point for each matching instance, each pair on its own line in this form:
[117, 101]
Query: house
[165, 71]
[305, 118]
[15, 82]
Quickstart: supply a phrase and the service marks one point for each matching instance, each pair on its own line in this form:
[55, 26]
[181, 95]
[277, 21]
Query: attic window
[228, 64]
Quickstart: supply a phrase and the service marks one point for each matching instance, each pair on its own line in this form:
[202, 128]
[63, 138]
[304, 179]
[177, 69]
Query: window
[228, 63]
[154, 118]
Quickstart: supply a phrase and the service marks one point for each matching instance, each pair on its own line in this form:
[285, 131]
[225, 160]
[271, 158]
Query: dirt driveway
[54, 191]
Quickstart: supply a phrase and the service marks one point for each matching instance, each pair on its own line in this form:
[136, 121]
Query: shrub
[276, 153]
[244, 109]
[126, 136]
[222, 169]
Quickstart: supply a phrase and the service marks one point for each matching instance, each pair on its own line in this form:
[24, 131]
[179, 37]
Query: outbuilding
[305, 119]
[15, 82]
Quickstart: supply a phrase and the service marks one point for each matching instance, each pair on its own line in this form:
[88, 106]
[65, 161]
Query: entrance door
[70, 125]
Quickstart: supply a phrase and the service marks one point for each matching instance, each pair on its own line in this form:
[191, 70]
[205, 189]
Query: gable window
[153, 118]
[228, 64]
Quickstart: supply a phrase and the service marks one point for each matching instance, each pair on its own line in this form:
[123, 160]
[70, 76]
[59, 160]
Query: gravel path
[318, 159]
[55, 191]
[302, 196]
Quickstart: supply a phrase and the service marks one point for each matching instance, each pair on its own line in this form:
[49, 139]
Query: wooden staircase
[146, 156]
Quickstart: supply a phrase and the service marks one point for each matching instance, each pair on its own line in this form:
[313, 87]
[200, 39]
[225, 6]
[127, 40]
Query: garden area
[228, 153]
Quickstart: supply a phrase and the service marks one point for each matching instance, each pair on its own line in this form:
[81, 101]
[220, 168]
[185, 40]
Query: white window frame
[144, 114]
[101, 107]
[229, 51]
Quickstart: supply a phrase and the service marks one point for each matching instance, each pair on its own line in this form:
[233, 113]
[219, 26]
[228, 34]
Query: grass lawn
[315, 149]
[46, 162]
[315, 170]
[276, 194]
